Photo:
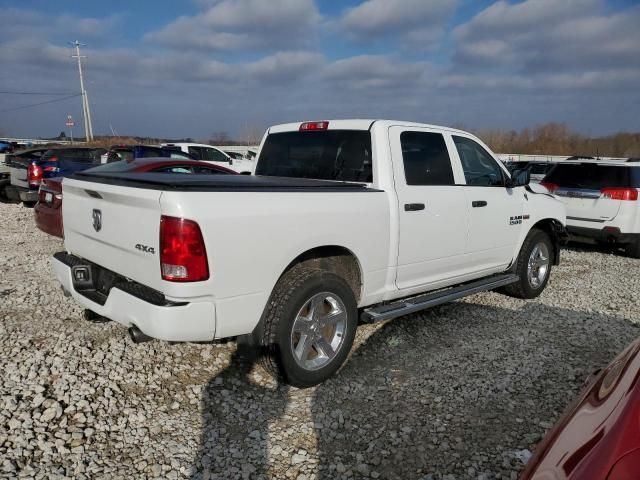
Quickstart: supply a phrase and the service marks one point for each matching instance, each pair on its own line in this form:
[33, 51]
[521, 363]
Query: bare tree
[252, 134]
[220, 138]
[557, 139]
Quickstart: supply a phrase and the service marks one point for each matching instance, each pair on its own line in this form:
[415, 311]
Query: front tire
[533, 266]
[309, 326]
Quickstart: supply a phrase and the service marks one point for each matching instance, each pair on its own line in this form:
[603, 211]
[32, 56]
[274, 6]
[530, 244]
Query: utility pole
[88, 128]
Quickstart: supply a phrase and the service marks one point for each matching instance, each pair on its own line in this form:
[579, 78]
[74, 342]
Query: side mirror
[519, 178]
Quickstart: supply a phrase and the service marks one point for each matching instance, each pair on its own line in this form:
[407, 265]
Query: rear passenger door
[493, 209]
[432, 209]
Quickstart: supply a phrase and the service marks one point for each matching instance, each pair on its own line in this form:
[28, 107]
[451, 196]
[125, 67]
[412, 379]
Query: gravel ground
[462, 391]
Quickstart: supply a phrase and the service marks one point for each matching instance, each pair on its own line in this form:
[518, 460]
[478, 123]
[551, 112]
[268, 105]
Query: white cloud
[18, 23]
[418, 22]
[243, 25]
[547, 35]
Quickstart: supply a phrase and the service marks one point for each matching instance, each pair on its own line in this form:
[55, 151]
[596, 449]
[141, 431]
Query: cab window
[480, 169]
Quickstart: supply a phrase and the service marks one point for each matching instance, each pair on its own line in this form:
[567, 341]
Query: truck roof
[358, 124]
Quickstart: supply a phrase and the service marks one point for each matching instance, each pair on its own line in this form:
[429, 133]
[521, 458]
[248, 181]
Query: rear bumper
[611, 235]
[19, 194]
[48, 219]
[171, 321]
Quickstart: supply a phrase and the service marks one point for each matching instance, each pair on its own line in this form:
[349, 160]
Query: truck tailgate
[115, 227]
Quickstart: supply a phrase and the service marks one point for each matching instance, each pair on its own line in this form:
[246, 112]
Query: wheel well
[338, 260]
[554, 229]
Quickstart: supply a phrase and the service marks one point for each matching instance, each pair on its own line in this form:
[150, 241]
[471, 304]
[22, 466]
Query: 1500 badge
[517, 220]
[145, 249]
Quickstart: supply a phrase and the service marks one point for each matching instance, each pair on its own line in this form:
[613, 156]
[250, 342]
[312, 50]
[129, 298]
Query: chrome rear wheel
[318, 331]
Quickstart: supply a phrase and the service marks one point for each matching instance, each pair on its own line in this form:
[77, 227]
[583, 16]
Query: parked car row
[48, 210]
[24, 171]
[27, 169]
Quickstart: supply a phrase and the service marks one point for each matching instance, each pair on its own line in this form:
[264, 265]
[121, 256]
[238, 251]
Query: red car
[598, 437]
[48, 210]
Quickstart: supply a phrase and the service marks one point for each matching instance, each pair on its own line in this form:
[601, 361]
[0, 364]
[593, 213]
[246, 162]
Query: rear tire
[533, 266]
[309, 326]
[633, 249]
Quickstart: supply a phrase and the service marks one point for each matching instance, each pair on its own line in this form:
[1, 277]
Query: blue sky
[195, 67]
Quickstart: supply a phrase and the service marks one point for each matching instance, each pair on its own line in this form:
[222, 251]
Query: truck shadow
[577, 246]
[458, 389]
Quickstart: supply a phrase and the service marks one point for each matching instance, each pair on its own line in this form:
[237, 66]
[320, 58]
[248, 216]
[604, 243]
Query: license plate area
[95, 282]
[48, 197]
[82, 276]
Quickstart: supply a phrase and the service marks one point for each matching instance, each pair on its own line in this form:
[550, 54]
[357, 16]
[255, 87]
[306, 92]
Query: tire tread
[286, 286]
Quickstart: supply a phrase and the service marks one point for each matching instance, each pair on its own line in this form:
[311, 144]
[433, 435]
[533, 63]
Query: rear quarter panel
[251, 238]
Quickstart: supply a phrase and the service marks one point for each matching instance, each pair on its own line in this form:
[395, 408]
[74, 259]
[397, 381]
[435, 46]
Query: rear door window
[343, 155]
[197, 153]
[426, 159]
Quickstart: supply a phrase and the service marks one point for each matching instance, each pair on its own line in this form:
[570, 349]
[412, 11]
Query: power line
[40, 103]
[35, 93]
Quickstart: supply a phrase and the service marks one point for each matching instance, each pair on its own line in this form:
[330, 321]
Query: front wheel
[309, 326]
[533, 266]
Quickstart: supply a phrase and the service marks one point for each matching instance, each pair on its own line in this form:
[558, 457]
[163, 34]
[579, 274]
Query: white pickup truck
[345, 221]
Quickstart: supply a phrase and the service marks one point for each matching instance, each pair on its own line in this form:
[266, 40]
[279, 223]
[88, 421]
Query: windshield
[343, 155]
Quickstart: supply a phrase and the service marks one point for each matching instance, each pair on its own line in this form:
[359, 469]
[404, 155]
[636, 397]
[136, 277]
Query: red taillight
[34, 175]
[183, 256]
[552, 187]
[620, 193]
[307, 126]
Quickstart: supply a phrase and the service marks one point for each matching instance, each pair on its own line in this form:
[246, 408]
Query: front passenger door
[493, 209]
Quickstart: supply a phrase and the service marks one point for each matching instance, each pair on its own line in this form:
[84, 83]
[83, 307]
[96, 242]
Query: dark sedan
[48, 210]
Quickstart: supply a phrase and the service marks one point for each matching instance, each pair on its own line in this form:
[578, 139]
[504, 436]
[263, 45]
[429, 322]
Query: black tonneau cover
[218, 183]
